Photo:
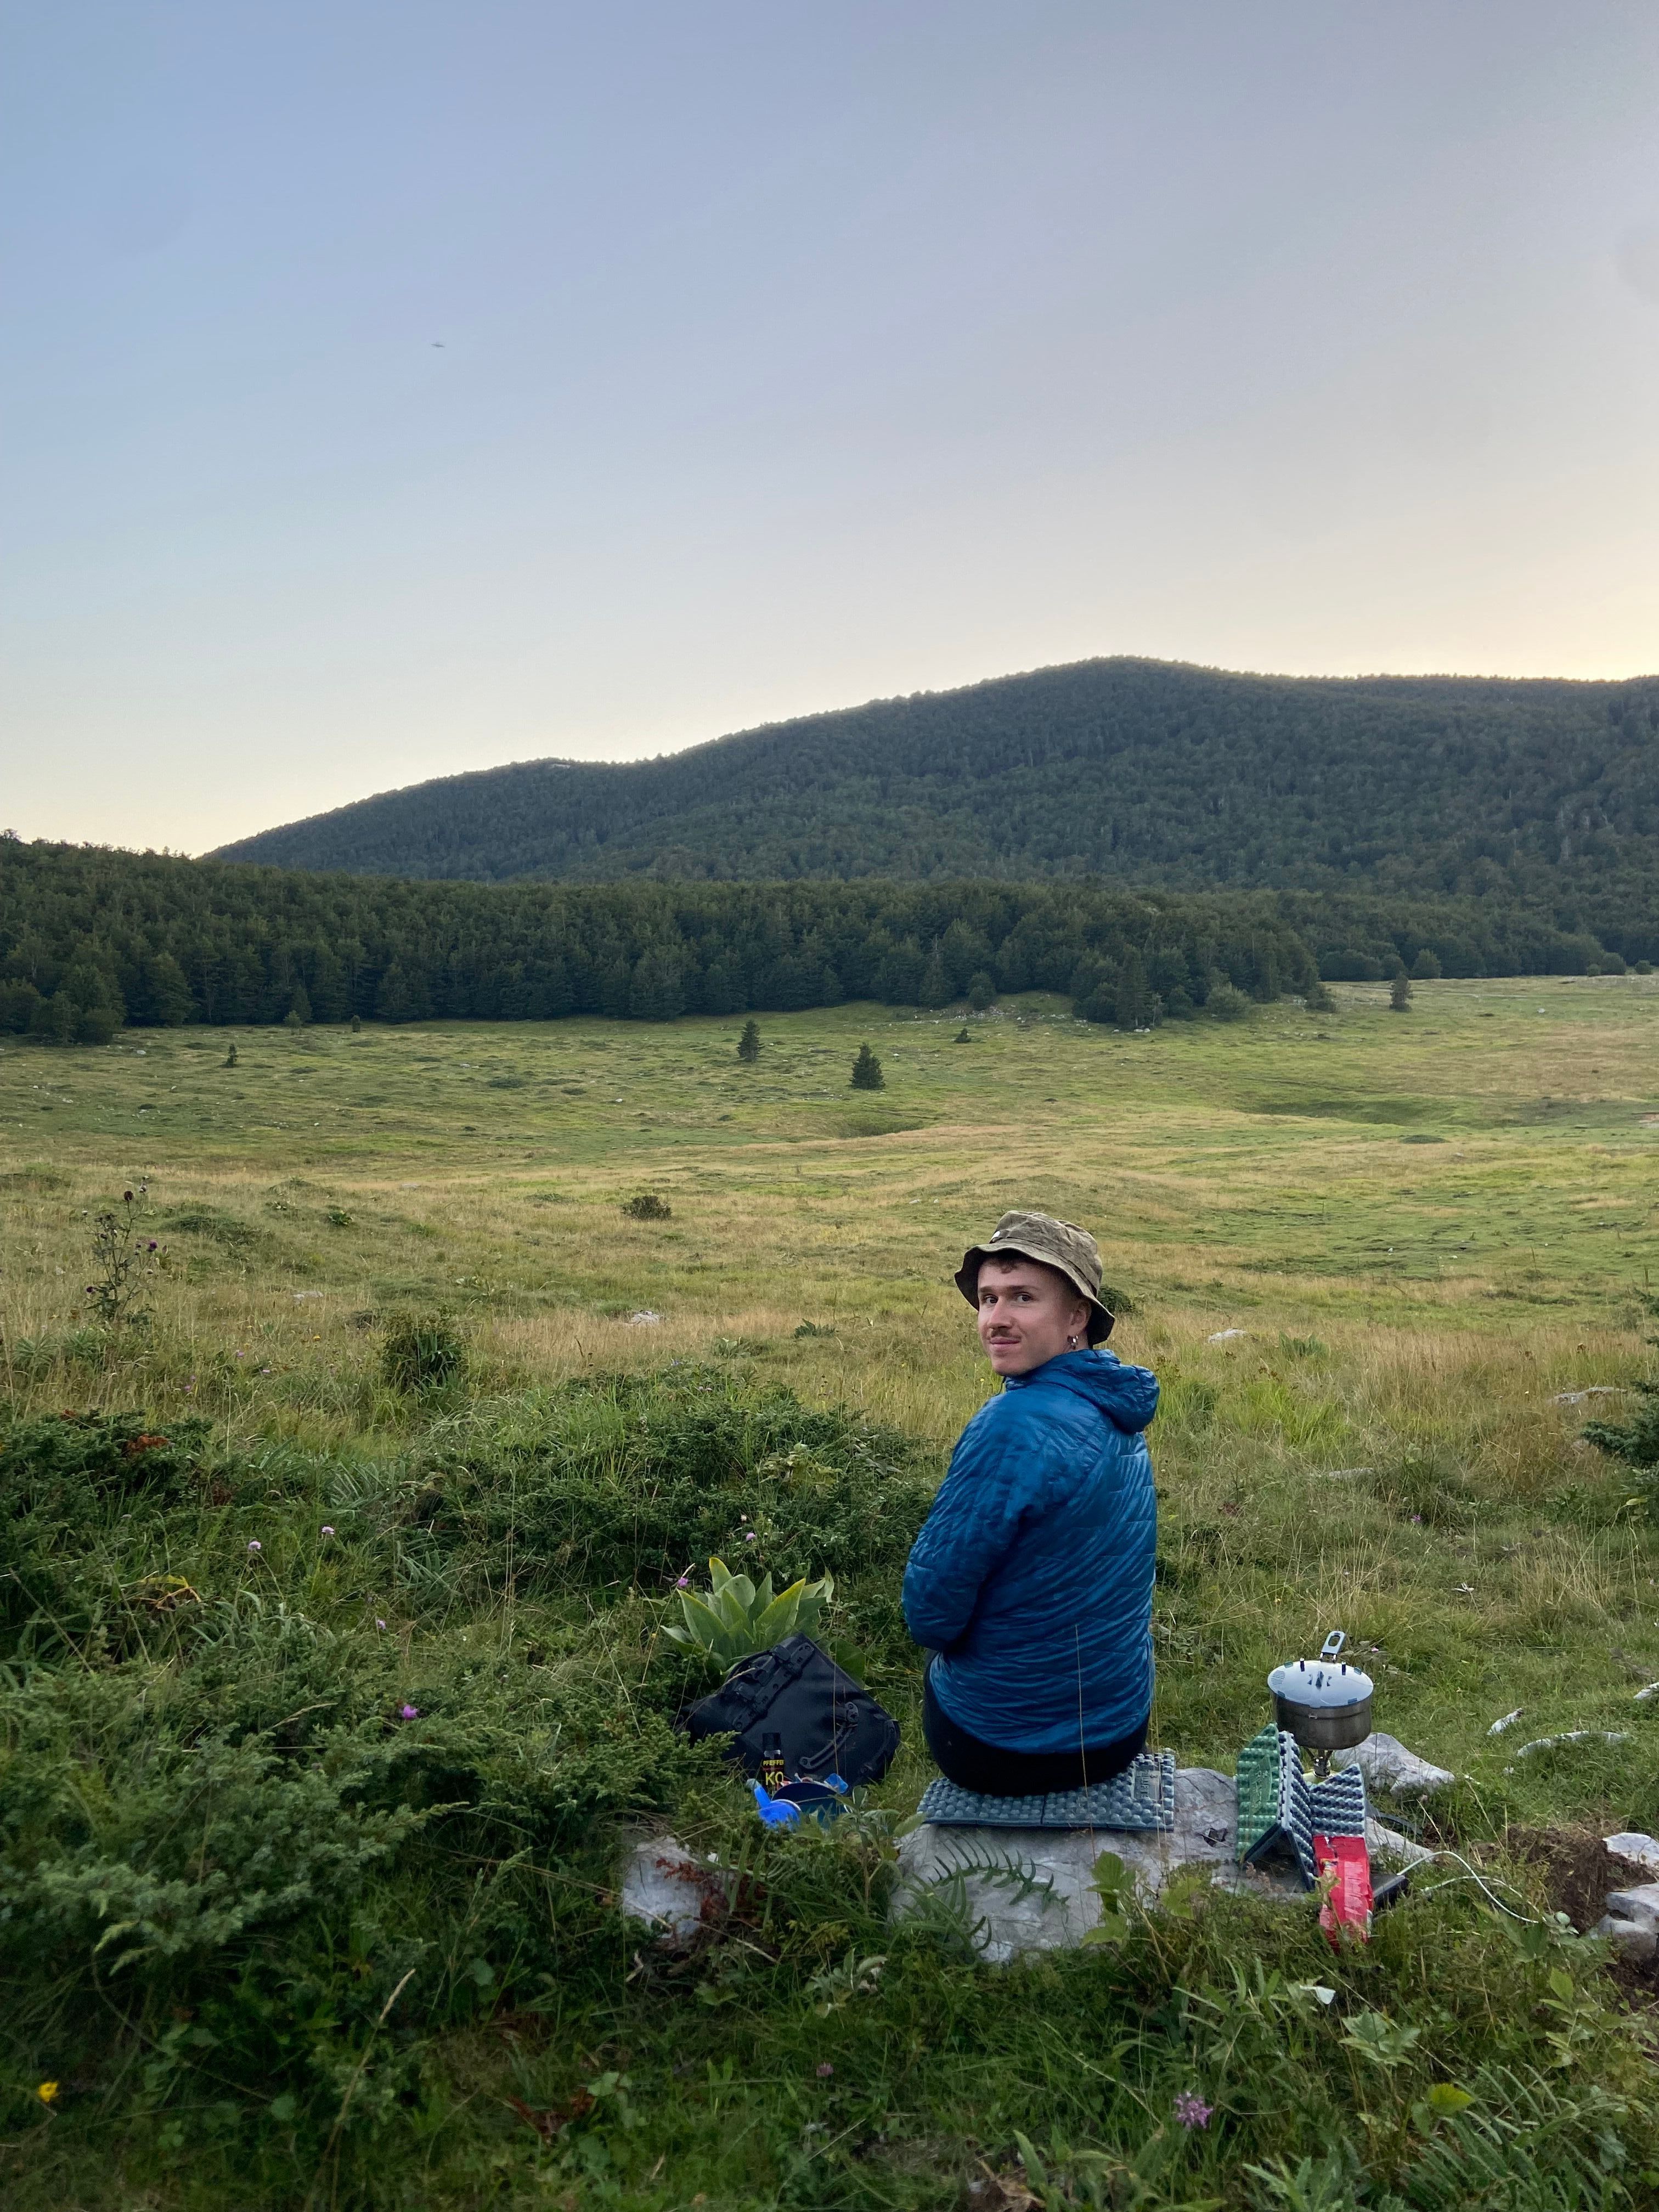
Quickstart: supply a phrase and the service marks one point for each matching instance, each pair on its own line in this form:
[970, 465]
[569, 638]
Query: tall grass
[323, 1720]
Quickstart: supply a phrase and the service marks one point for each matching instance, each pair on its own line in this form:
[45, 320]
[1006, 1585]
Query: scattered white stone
[1651, 1691]
[1225, 1335]
[1386, 1765]
[1629, 1939]
[1632, 1843]
[1575, 1735]
[1508, 1722]
[1346, 1474]
[644, 1319]
[1631, 1922]
[1594, 1390]
[672, 1892]
[299, 1297]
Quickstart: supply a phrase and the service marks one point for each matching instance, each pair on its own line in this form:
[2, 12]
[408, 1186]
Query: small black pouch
[828, 1723]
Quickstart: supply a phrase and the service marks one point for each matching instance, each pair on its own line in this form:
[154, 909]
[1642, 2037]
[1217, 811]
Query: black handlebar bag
[828, 1723]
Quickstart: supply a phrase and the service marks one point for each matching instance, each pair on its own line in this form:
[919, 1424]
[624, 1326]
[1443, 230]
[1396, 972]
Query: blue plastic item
[774, 1812]
[781, 1807]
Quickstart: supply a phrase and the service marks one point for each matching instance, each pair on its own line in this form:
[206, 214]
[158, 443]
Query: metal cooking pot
[1323, 1703]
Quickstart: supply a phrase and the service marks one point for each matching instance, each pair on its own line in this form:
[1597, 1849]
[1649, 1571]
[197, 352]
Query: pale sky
[388, 390]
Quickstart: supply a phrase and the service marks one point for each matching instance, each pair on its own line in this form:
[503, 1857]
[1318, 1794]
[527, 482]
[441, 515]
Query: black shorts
[990, 1771]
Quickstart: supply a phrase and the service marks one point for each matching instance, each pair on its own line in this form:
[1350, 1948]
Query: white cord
[1470, 1874]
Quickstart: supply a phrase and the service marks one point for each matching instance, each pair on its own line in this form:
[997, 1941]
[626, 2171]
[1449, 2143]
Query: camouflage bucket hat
[1058, 1244]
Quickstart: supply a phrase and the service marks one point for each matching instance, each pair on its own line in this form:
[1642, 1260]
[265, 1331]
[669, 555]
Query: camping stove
[1325, 1704]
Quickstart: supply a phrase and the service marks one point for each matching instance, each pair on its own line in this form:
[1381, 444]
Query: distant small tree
[1131, 1000]
[230, 1057]
[356, 1025]
[291, 1019]
[962, 1035]
[867, 1071]
[982, 991]
[749, 1043]
[1426, 966]
[299, 1007]
[1400, 993]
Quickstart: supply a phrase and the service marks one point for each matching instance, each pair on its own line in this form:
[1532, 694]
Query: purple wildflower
[1417, 1519]
[150, 1247]
[326, 1530]
[751, 1538]
[1191, 2110]
[684, 1583]
[825, 2070]
[379, 1624]
[254, 1545]
[410, 1712]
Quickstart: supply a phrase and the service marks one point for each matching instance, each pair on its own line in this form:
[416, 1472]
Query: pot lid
[1321, 1682]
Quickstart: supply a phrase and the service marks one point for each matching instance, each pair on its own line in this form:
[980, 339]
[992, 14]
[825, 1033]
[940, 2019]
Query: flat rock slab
[1386, 1765]
[1032, 1889]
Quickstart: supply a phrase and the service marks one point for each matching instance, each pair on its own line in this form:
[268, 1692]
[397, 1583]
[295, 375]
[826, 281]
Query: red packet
[1345, 1874]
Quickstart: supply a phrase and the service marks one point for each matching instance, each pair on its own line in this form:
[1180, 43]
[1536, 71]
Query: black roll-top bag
[828, 1723]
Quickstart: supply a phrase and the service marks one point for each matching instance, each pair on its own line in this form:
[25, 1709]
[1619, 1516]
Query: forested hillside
[1132, 771]
[89, 938]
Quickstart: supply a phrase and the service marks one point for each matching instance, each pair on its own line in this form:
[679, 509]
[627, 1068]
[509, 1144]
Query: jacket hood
[1127, 1395]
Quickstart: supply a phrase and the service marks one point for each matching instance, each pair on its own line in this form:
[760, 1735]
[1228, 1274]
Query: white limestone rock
[1385, 1843]
[672, 1892]
[1632, 1941]
[1032, 1889]
[1640, 1904]
[1632, 1843]
[1631, 1922]
[1386, 1765]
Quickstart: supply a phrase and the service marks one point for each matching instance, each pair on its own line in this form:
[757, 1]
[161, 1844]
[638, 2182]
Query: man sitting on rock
[1032, 1577]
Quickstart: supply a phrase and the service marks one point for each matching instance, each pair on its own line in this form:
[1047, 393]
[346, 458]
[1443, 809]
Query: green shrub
[1636, 1442]
[627, 1480]
[261, 1839]
[65, 1479]
[647, 1207]
[422, 1353]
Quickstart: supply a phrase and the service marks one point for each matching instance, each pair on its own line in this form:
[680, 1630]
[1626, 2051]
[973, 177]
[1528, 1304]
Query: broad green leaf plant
[735, 1620]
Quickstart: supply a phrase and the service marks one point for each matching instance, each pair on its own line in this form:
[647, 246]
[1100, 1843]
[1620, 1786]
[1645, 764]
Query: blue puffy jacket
[1033, 1572]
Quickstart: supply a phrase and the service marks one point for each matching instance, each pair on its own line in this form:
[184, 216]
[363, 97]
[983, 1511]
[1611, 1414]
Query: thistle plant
[736, 1620]
[126, 1260]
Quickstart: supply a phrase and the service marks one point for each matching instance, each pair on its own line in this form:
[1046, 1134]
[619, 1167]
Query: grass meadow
[1376, 1258]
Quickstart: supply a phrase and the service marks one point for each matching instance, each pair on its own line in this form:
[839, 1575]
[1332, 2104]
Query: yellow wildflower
[46, 2092]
